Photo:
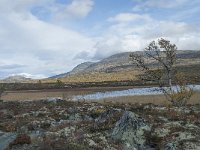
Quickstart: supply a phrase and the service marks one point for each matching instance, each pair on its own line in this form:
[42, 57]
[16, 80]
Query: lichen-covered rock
[171, 146]
[6, 139]
[75, 117]
[161, 132]
[68, 131]
[184, 141]
[130, 129]
[92, 143]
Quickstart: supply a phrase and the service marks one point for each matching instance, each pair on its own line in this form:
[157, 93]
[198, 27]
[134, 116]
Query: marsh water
[128, 92]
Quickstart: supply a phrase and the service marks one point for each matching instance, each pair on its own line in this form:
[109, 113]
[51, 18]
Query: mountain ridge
[120, 62]
[16, 79]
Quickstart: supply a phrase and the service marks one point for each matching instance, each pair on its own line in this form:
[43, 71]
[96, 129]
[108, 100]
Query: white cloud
[182, 8]
[110, 45]
[41, 46]
[21, 33]
[27, 75]
[165, 4]
[79, 8]
[21, 6]
[145, 4]
[129, 17]
[126, 33]
[75, 9]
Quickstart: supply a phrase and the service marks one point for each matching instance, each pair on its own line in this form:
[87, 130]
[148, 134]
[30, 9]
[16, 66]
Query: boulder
[6, 139]
[131, 130]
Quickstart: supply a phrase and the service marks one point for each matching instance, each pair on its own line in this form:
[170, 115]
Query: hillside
[121, 62]
[117, 67]
[78, 69]
[105, 69]
[113, 63]
[16, 79]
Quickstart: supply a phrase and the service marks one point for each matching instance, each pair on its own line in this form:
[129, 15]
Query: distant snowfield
[129, 92]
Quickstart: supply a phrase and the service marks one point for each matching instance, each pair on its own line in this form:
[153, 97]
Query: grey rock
[75, 117]
[87, 118]
[183, 140]
[171, 146]
[72, 110]
[54, 99]
[6, 139]
[131, 129]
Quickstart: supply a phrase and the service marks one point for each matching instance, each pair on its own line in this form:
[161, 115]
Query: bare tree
[158, 65]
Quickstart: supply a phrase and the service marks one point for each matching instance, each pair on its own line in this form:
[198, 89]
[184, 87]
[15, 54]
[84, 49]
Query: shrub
[21, 139]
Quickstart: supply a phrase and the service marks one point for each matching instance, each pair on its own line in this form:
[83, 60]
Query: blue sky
[40, 38]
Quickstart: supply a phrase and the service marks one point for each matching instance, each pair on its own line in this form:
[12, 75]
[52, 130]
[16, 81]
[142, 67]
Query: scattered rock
[55, 124]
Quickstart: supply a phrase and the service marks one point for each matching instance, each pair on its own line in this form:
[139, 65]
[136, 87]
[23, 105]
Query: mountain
[121, 62]
[16, 79]
[113, 63]
[188, 54]
[78, 69]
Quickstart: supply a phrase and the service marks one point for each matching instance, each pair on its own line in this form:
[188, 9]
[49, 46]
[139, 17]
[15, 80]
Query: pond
[129, 92]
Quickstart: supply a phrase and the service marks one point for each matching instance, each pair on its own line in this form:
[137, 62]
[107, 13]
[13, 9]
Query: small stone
[92, 143]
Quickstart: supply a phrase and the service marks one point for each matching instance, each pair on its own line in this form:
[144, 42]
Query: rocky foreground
[62, 125]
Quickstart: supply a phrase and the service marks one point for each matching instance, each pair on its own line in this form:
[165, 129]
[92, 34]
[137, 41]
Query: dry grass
[188, 66]
[64, 93]
[98, 77]
[155, 99]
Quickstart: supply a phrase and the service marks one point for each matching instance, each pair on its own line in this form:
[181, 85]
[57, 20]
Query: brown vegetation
[98, 77]
[76, 125]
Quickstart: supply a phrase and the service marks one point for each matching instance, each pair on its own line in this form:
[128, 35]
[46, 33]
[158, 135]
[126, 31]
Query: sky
[41, 38]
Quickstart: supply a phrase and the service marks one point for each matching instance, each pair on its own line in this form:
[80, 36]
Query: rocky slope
[58, 124]
[78, 69]
[112, 63]
[121, 62]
